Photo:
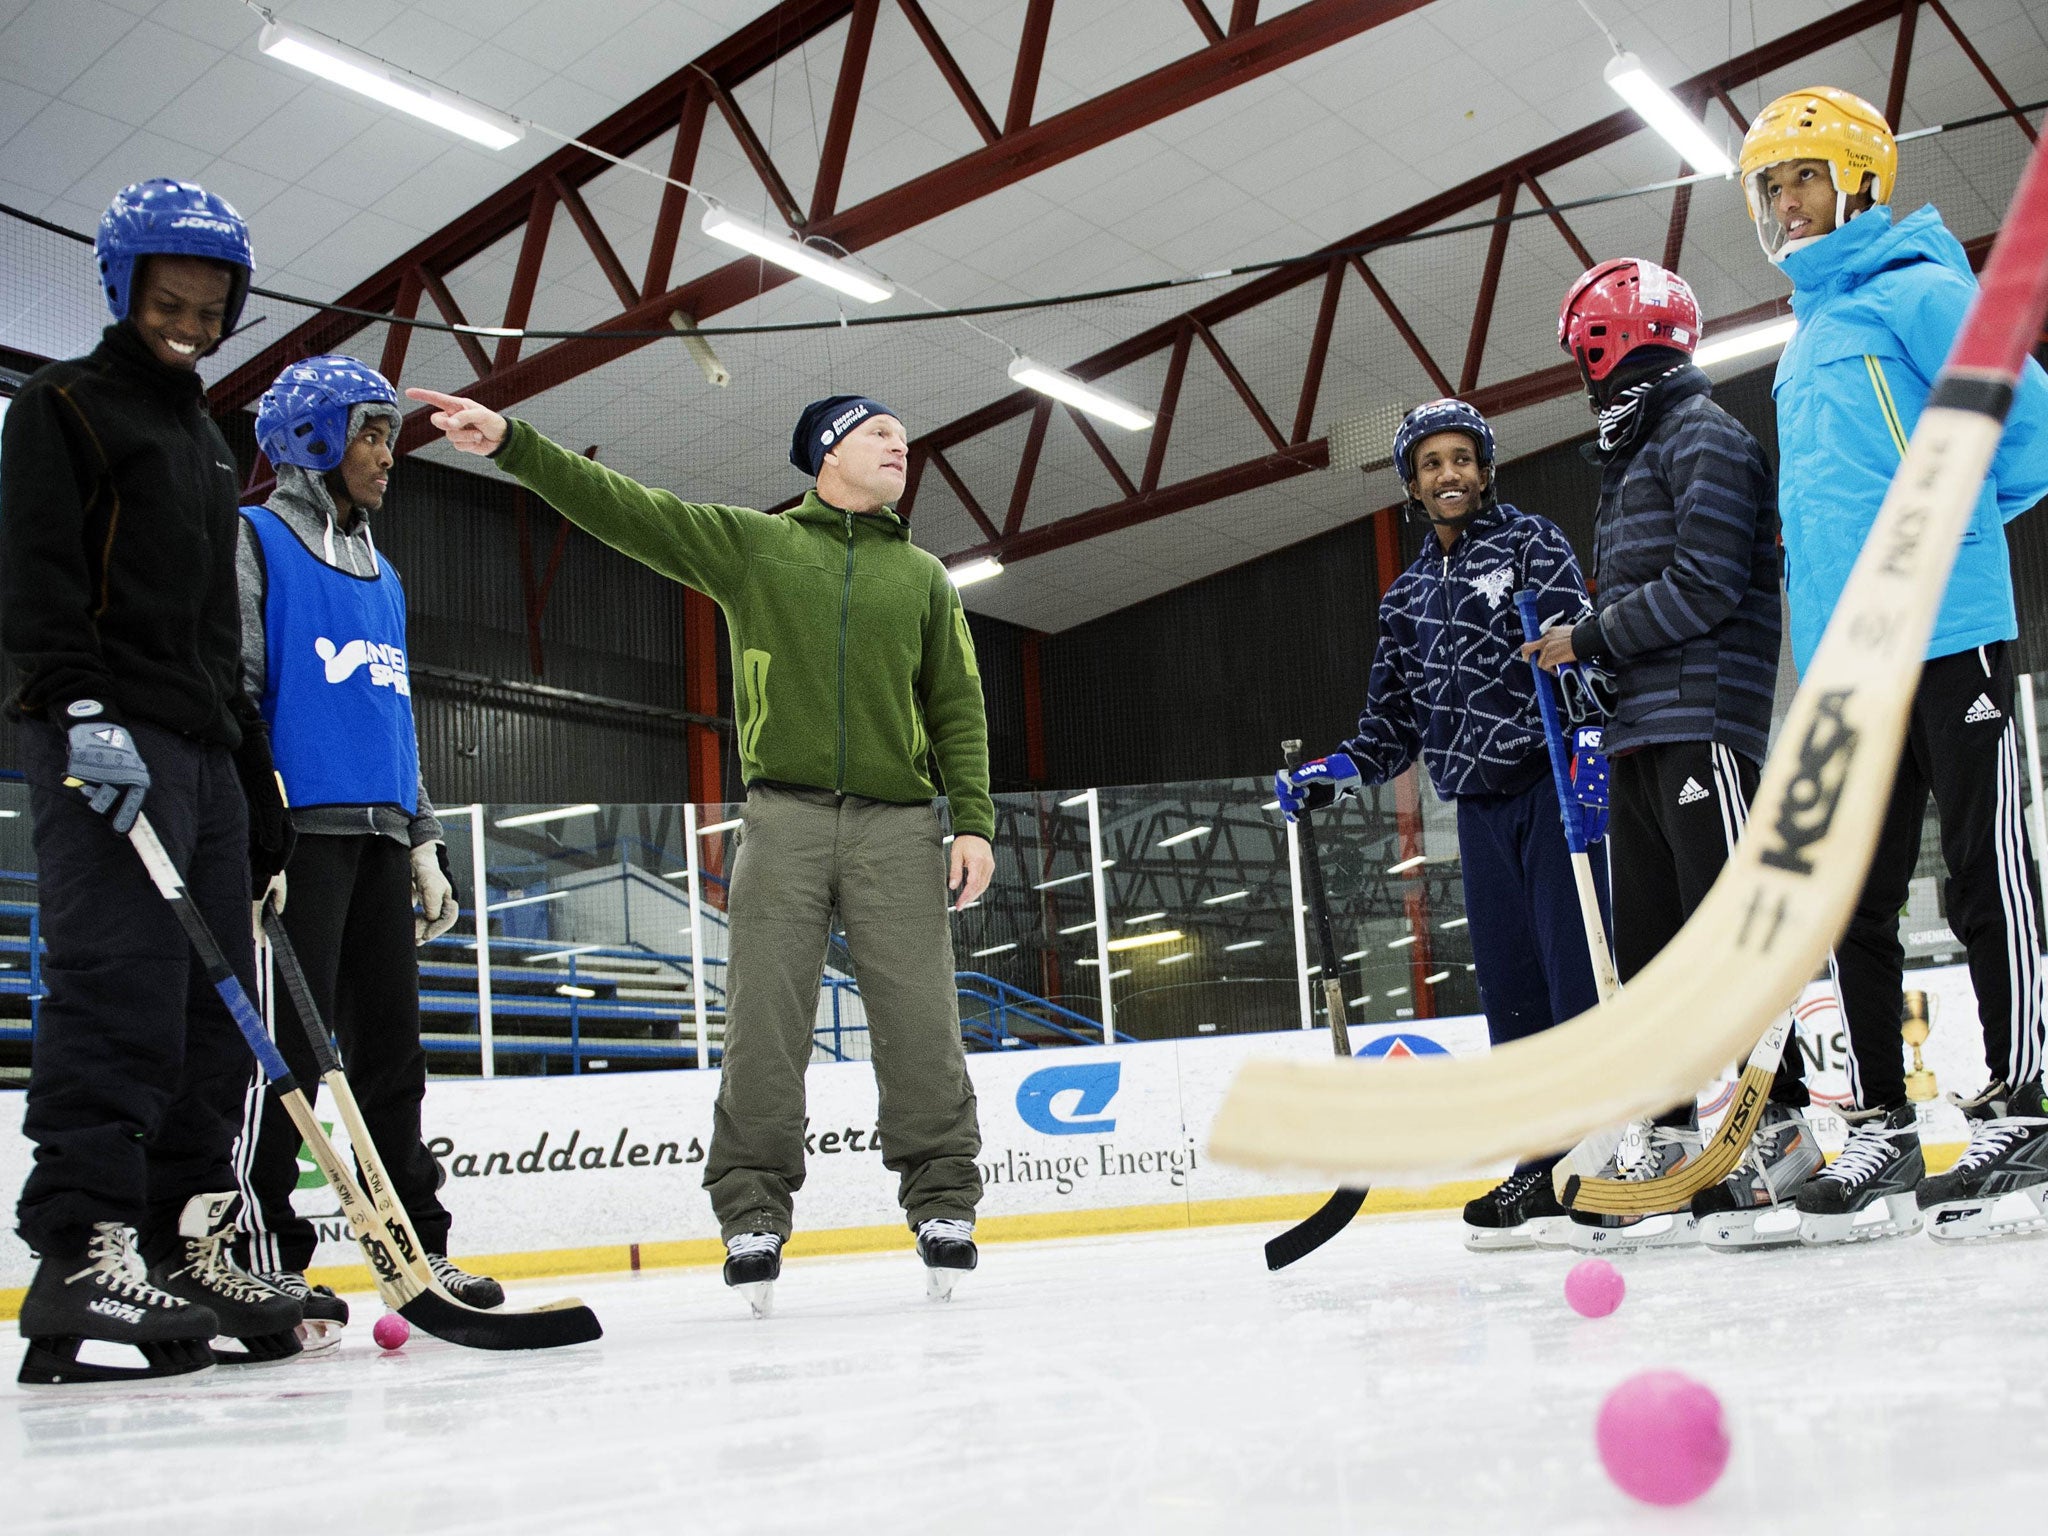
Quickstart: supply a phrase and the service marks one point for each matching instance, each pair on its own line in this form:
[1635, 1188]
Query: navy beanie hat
[824, 422]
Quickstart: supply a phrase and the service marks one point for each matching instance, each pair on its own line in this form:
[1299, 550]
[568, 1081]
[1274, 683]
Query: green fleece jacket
[853, 666]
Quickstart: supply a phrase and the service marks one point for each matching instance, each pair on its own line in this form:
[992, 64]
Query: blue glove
[1589, 782]
[104, 764]
[1588, 691]
[1315, 785]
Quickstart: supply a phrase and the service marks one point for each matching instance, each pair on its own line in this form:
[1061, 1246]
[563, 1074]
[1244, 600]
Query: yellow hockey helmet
[1819, 123]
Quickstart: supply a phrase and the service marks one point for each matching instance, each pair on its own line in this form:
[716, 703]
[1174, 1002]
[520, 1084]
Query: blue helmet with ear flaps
[303, 418]
[162, 217]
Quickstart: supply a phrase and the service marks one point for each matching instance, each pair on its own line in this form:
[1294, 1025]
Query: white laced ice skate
[947, 1248]
[753, 1263]
[1753, 1207]
[1868, 1191]
[1645, 1151]
[1999, 1186]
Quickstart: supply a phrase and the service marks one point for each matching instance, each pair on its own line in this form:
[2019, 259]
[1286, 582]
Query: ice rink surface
[1164, 1382]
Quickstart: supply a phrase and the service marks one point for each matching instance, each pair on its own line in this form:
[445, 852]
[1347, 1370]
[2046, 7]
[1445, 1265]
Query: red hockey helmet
[1621, 305]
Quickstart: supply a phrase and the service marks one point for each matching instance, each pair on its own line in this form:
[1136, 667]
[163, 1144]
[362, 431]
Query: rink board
[596, 1172]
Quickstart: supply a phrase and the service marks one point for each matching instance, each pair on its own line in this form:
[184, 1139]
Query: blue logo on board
[1401, 1043]
[1069, 1101]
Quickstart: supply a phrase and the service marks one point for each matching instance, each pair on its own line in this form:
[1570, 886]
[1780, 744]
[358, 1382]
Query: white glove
[434, 892]
[272, 897]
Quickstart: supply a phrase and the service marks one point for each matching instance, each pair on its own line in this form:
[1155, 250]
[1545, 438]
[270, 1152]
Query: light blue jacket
[1878, 306]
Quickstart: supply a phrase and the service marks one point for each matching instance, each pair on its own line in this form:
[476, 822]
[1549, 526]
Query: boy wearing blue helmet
[324, 655]
[118, 612]
[1448, 685]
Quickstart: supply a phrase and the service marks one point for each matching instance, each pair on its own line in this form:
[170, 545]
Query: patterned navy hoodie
[1448, 681]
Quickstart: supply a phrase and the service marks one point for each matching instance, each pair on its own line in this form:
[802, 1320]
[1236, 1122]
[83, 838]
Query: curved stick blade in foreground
[1784, 895]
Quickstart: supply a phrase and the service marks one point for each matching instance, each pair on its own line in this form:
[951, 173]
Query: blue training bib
[337, 694]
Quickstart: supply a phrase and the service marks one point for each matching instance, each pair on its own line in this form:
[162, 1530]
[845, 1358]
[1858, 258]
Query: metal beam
[1012, 157]
[853, 66]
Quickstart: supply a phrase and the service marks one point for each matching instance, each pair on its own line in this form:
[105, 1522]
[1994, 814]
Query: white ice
[1390, 1383]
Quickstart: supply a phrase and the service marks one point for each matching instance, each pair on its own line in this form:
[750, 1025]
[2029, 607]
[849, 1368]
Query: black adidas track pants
[1963, 746]
[1676, 810]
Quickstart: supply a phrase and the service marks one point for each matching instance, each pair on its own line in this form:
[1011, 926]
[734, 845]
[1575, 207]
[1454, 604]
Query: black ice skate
[325, 1314]
[1999, 1186]
[1867, 1192]
[479, 1291]
[1644, 1152]
[1520, 1212]
[947, 1248]
[753, 1263]
[102, 1293]
[257, 1324]
[1752, 1207]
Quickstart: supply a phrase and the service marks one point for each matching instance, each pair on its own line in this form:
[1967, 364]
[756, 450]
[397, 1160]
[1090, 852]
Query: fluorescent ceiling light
[1181, 837]
[1079, 927]
[1080, 799]
[525, 901]
[1757, 338]
[1456, 922]
[8, 815]
[968, 574]
[562, 954]
[1663, 112]
[995, 949]
[1270, 805]
[1146, 940]
[568, 991]
[1401, 943]
[1144, 917]
[1069, 390]
[1124, 972]
[1217, 901]
[1430, 981]
[534, 818]
[1356, 954]
[1397, 992]
[1407, 864]
[1245, 944]
[318, 54]
[1046, 885]
[1186, 954]
[789, 253]
[722, 826]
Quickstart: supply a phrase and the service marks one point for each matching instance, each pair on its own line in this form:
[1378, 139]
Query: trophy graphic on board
[1920, 1087]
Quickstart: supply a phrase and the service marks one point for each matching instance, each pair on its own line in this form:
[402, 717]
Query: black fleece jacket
[118, 523]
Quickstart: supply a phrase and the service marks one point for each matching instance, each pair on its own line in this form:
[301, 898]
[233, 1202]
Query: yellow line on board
[617, 1257]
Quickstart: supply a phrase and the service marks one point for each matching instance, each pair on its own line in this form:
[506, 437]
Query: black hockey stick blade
[1304, 1238]
[546, 1328]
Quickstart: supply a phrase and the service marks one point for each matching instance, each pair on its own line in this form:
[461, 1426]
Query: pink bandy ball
[1594, 1288]
[391, 1331]
[1662, 1438]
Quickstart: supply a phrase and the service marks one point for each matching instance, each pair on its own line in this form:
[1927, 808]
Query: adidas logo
[121, 1311]
[1691, 792]
[1982, 710]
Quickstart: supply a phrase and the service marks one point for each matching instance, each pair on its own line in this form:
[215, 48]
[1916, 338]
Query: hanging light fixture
[792, 255]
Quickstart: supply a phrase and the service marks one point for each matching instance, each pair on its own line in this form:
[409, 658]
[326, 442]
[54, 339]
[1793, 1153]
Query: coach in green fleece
[858, 701]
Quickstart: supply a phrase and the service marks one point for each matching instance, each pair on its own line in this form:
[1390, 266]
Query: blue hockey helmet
[304, 416]
[1432, 417]
[162, 217]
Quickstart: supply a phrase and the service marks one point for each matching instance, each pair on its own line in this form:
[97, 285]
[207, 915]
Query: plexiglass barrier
[1140, 912]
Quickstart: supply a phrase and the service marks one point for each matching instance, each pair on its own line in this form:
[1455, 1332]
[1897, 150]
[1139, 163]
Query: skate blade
[56, 1363]
[263, 1349]
[1537, 1233]
[939, 1283]
[319, 1334]
[2018, 1214]
[760, 1295]
[1894, 1216]
[1736, 1231]
[1677, 1229]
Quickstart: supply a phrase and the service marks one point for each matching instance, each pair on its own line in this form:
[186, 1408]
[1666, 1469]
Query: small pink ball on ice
[391, 1331]
[1594, 1288]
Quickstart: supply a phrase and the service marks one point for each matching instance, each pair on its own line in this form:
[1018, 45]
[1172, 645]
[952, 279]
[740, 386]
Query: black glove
[270, 825]
[104, 763]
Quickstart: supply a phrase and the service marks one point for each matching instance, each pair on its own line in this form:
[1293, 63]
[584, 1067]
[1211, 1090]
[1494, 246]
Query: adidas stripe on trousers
[1675, 812]
[1963, 747]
